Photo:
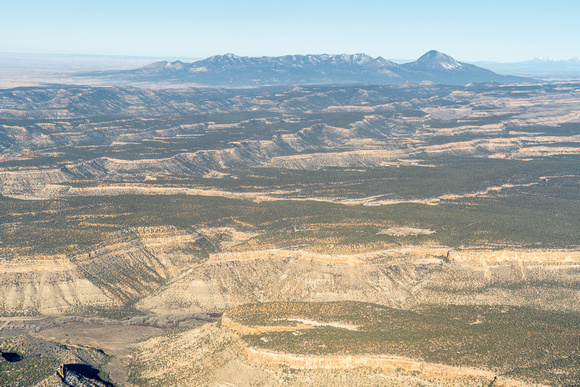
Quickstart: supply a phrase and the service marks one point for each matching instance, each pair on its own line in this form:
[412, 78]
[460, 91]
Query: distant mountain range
[230, 70]
[539, 67]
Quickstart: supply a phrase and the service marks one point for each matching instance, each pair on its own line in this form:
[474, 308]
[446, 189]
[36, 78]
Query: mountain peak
[434, 53]
[225, 58]
[435, 60]
[165, 66]
[230, 55]
[382, 62]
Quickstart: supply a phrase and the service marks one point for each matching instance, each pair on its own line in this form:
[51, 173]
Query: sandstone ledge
[523, 255]
[384, 362]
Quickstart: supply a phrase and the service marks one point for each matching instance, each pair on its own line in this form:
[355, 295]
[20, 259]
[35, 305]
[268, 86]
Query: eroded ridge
[304, 344]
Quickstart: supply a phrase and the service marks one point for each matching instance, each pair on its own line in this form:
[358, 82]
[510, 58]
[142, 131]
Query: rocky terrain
[218, 358]
[129, 265]
[307, 129]
[401, 278]
[276, 343]
[38, 362]
[146, 214]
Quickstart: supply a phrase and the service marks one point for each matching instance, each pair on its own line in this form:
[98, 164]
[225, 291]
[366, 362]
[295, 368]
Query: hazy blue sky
[469, 30]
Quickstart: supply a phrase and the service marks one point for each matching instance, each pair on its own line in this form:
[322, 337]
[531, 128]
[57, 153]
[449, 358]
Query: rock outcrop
[128, 266]
[400, 278]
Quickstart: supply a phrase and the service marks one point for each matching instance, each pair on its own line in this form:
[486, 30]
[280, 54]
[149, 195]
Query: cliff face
[382, 277]
[34, 183]
[384, 363]
[47, 287]
[162, 268]
[128, 266]
[128, 134]
[490, 257]
[46, 364]
[216, 285]
[215, 354]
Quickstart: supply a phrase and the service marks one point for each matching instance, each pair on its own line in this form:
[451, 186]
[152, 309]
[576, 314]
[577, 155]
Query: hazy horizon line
[195, 58]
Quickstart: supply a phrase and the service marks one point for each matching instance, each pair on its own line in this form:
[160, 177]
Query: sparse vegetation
[39, 359]
[520, 342]
[117, 197]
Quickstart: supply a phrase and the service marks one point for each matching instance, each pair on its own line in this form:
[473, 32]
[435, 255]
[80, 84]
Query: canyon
[163, 215]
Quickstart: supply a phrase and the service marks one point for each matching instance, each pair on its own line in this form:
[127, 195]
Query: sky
[468, 30]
